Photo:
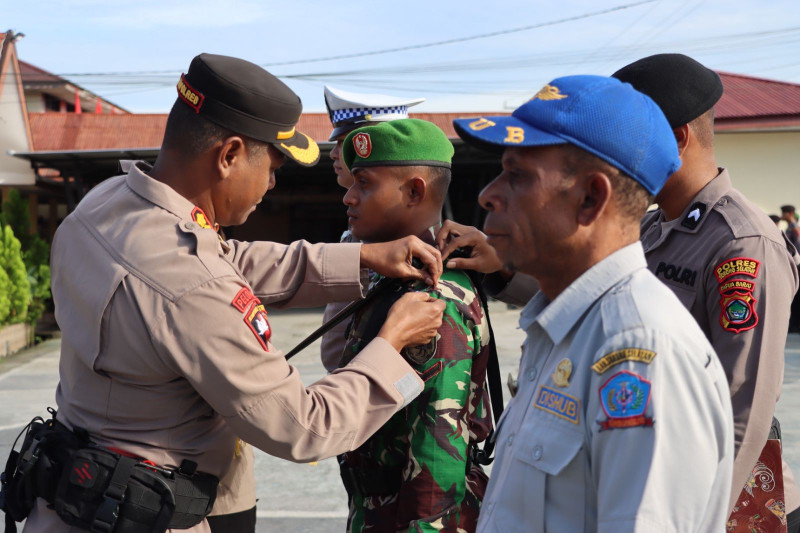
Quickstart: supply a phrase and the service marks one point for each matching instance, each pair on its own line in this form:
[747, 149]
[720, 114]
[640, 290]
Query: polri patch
[694, 216]
[256, 320]
[243, 299]
[637, 355]
[624, 398]
[736, 265]
[557, 403]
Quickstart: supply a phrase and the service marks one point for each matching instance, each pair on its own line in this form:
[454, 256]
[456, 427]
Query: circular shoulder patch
[419, 355]
[362, 144]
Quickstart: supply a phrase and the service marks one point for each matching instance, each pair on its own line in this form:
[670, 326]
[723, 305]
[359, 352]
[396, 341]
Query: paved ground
[309, 497]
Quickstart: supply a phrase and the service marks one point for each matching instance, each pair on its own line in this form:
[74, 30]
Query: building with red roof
[757, 135]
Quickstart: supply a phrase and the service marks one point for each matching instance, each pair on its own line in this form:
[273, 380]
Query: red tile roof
[748, 102]
[87, 131]
[755, 103]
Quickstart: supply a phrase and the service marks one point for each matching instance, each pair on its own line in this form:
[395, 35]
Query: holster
[98, 490]
[370, 481]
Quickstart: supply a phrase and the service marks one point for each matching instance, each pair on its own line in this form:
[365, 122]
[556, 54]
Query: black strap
[106, 515]
[484, 456]
[376, 481]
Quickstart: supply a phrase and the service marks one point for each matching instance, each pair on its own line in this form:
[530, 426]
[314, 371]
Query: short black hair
[787, 209]
[191, 134]
[630, 196]
[439, 180]
[703, 127]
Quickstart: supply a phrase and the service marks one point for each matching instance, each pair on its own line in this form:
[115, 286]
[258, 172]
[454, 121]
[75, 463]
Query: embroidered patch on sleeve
[638, 355]
[243, 299]
[557, 403]
[419, 355]
[737, 265]
[624, 398]
[738, 310]
[256, 320]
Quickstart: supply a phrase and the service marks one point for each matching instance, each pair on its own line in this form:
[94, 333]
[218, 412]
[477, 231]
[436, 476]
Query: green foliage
[19, 293]
[35, 256]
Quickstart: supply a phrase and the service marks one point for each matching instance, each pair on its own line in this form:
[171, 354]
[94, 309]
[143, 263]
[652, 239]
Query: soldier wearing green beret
[414, 473]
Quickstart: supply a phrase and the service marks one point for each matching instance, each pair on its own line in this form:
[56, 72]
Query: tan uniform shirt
[731, 267]
[333, 342]
[165, 345]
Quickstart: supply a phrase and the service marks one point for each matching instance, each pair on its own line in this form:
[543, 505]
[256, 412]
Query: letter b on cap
[515, 135]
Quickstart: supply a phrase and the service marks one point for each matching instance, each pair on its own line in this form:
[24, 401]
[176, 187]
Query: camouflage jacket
[423, 449]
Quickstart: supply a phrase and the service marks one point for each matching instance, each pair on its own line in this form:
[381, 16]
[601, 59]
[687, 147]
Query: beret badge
[362, 144]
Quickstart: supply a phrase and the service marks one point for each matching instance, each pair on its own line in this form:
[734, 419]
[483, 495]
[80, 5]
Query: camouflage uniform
[420, 457]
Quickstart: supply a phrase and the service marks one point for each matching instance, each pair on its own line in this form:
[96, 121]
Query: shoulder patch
[624, 398]
[419, 355]
[638, 355]
[256, 320]
[694, 216]
[243, 299]
[557, 403]
[738, 311]
[736, 265]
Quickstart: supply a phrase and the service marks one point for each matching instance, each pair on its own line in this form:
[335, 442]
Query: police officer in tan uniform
[734, 271]
[166, 351]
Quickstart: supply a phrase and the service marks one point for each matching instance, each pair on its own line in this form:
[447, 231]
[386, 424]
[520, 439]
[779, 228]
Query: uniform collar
[702, 204]
[558, 317]
[154, 191]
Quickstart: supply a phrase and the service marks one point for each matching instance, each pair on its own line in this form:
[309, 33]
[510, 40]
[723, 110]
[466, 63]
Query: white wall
[13, 135]
[765, 166]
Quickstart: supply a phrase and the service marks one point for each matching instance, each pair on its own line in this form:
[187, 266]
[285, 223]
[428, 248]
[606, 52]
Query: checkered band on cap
[351, 113]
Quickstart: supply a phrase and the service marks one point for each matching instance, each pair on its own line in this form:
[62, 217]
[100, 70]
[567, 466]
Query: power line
[399, 48]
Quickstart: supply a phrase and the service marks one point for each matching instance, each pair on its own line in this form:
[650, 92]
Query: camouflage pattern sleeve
[437, 491]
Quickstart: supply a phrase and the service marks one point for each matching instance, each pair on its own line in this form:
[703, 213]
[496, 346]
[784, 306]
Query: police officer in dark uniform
[736, 273]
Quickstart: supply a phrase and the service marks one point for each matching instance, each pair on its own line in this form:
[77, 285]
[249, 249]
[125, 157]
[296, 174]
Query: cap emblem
[362, 144]
[549, 92]
[189, 94]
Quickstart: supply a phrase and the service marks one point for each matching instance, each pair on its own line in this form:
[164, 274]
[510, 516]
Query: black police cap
[245, 98]
[683, 88]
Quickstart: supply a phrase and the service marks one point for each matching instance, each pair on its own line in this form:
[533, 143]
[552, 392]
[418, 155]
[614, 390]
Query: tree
[19, 293]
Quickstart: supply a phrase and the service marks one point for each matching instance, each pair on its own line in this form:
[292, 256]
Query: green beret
[406, 142]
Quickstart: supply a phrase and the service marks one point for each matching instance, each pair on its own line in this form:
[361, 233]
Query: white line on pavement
[301, 514]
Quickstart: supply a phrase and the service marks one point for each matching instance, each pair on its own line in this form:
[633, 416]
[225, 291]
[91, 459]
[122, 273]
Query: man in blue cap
[622, 420]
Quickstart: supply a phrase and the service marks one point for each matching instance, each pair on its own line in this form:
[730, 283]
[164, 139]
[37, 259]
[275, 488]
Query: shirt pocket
[544, 474]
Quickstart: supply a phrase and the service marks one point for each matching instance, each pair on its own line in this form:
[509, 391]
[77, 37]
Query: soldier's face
[375, 205]
[343, 176]
[530, 216]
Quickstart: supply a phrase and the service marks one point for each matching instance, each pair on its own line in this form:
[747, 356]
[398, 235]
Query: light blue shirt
[622, 421]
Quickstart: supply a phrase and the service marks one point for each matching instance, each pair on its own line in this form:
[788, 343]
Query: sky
[490, 56]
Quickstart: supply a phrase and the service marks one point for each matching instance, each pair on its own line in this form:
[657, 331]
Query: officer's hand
[413, 319]
[483, 258]
[393, 259]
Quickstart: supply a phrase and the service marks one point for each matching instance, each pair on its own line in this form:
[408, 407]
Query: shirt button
[510, 439]
[188, 225]
[531, 374]
[537, 453]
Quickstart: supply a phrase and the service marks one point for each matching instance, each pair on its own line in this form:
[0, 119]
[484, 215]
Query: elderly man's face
[530, 214]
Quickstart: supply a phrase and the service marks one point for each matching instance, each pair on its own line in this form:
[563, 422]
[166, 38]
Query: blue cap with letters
[601, 115]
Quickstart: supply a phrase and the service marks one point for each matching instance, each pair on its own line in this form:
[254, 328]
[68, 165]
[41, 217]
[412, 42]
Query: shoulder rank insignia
[199, 216]
[637, 355]
[624, 398]
[562, 373]
[694, 216]
[419, 355]
[557, 403]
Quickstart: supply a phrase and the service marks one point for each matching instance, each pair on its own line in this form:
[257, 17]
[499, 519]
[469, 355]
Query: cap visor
[497, 133]
[300, 148]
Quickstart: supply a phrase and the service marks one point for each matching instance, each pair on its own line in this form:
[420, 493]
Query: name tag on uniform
[556, 402]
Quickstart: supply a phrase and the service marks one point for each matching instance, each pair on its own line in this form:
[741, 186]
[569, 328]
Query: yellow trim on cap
[303, 155]
[282, 135]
